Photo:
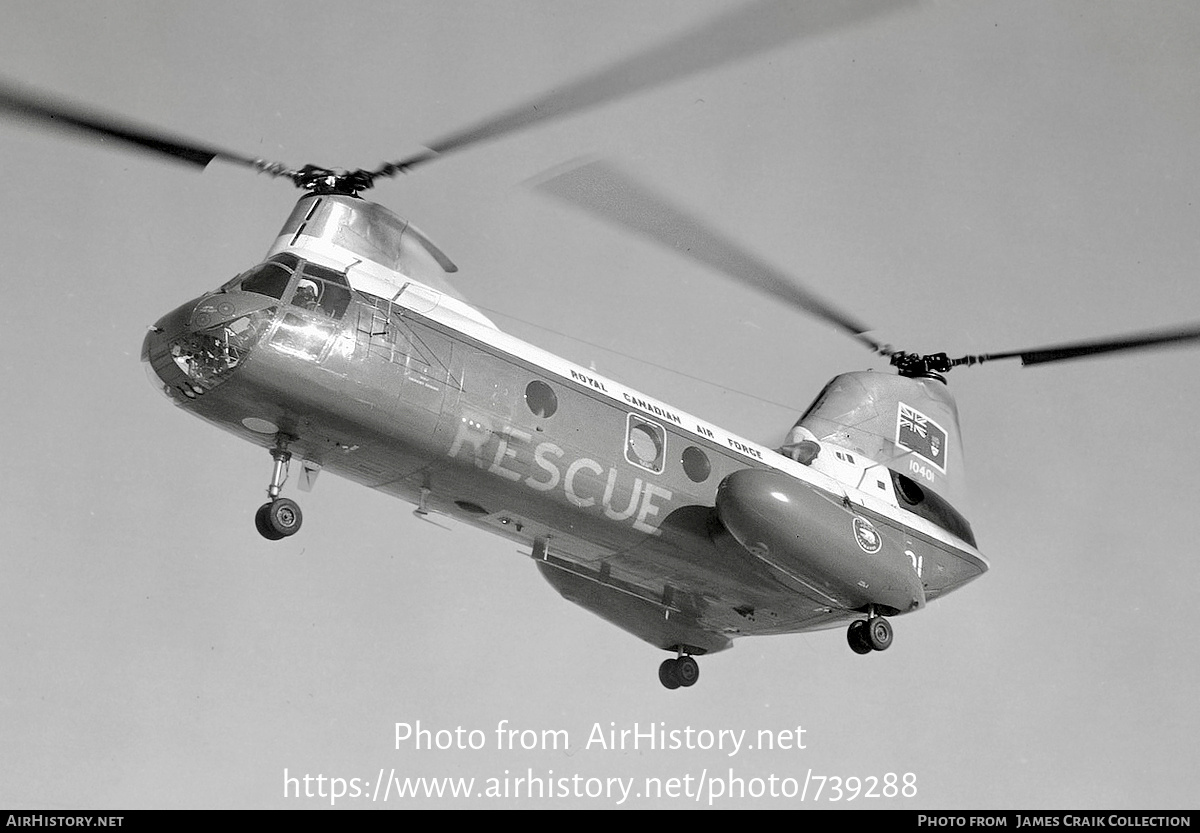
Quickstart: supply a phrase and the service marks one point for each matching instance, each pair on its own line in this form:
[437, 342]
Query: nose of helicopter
[194, 348]
[157, 352]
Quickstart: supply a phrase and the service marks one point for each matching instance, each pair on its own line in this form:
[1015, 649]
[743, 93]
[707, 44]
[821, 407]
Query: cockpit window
[312, 270]
[335, 299]
[319, 289]
[306, 295]
[287, 259]
[322, 290]
[267, 279]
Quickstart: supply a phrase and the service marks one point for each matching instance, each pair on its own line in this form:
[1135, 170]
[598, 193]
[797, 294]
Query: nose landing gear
[279, 517]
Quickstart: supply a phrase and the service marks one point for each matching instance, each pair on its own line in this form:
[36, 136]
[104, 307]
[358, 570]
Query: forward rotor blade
[744, 32]
[1064, 352]
[26, 105]
[609, 194]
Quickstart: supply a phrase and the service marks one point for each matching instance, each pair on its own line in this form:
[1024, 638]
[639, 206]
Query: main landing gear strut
[871, 634]
[279, 517]
[682, 671]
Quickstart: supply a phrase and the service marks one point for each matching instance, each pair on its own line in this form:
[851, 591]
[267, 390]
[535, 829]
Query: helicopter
[347, 349]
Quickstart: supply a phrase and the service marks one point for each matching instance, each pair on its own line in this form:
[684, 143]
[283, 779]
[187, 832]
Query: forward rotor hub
[915, 366]
[329, 181]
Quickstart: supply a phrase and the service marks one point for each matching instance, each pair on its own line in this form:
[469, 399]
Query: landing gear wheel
[676, 673]
[857, 637]
[879, 633]
[278, 519]
[687, 671]
[668, 674]
[260, 523]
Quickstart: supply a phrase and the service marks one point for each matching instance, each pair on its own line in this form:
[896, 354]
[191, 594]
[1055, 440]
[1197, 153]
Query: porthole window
[541, 399]
[696, 464]
[645, 444]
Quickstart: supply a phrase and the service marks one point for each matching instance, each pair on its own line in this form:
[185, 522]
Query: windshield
[316, 288]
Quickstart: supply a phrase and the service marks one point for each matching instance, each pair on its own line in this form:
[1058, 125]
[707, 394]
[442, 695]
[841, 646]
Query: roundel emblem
[868, 538]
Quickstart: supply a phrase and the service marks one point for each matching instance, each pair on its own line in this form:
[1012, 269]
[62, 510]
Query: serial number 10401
[920, 470]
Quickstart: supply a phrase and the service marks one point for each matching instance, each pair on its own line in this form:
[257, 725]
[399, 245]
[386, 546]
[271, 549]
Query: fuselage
[671, 527]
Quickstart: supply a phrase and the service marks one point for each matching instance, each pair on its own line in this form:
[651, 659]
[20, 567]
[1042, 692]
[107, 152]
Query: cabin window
[930, 505]
[645, 444]
[696, 464]
[541, 399]
[909, 492]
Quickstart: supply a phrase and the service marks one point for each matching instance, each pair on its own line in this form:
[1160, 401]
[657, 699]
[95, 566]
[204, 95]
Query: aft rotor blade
[1077, 350]
[611, 195]
[744, 32]
[26, 105]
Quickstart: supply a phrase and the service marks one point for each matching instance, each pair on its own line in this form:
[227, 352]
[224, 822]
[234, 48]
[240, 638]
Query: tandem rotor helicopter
[347, 350]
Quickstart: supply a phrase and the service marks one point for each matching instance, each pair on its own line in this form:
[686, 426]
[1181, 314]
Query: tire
[283, 517]
[668, 674]
[879, 633]
[687, 671]
[263, 525]
[857, 637]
